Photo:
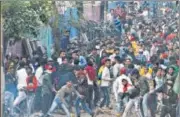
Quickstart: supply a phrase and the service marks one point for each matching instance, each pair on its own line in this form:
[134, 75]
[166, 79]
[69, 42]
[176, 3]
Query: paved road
[82, 115]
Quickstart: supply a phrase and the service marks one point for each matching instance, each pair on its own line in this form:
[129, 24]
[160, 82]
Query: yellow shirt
[110, 51]
[142, 73]
[135, 47]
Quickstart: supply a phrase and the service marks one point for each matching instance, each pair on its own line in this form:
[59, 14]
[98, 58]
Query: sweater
[65, 90]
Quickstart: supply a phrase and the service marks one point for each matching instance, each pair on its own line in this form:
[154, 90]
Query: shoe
[92, 115]
[118, 115]
[72, 115]
[103, 108]
[47, 115]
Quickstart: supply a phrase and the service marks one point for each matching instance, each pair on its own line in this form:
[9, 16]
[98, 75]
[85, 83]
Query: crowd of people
[139, 69]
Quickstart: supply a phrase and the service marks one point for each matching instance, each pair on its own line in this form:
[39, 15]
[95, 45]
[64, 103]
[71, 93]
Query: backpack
[100, 72]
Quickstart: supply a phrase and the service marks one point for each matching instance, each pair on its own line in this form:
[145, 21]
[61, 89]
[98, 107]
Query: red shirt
[91, 72]
[125, 88]
[31, 85]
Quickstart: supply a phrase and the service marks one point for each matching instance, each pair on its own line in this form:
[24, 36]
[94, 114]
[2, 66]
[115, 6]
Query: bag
[100, 72]
[133, 93]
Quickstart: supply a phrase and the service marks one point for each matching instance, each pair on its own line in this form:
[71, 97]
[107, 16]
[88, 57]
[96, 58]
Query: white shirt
[111, 57]
[147, 54]
[105, 76]
[100, 53]
[109, 17]
[21, 75]
[116, 69]
[90, 82]
[38, 75]
[117, 85]
[153, 50]
[59, 60]
[145, 13]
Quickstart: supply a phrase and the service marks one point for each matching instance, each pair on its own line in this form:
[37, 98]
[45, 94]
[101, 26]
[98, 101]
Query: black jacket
[169, 96]
[143, 86]
[82, 86]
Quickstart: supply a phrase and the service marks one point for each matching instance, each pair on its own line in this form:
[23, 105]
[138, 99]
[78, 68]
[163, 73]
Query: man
[47, 89]
[141, 57]
[118, 11]
[10, 82]
[62, 54]
[110, 16]
[176, 89]
[59, 99]
[91, 77]
[39, 73]
[21, 83]
[74, 57]
[112, 57]
[82, 88]
[136, 94]
[10, 89]
[27, 63]
[169, 99]
[82, 60]
[141, 84]
[65, 40]
[118, 26]
[118, 91]
[105, 81]
[31, 89]
[117, 67]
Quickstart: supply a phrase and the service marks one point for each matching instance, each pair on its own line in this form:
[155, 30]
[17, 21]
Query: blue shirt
[82, 61]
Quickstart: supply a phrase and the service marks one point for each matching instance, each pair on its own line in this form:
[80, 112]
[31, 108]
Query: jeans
[90, 96]
[84, 106]
[168, 110]
[57, 102]
[8, 102]
[21, 96]
[106, 98]
[30, 102]
[96, 95]
[178, 109]
[133, 103]
[69, 100]
[37, 100]
[46, 102]
[121, 102]
[149, 105]
[93, 96]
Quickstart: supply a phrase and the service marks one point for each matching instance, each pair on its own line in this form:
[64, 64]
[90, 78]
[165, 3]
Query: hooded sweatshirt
[118, 86]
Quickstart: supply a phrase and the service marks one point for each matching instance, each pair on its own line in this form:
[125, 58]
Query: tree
[22, 18]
